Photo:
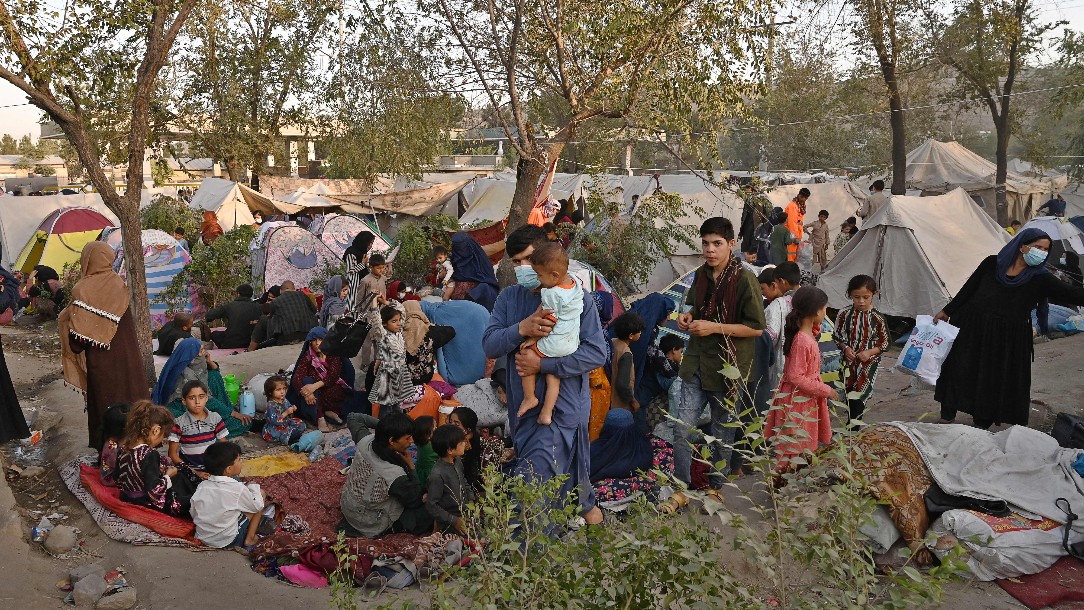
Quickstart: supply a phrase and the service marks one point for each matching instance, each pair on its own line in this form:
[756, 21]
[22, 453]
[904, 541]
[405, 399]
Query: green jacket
[706, 355]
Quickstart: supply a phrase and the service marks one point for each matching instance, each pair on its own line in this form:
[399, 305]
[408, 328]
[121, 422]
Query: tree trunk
[899, 136]
[529, 172]
[132, 240]
[1003, 129]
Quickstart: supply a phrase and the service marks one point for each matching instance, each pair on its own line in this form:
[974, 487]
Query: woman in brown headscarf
[209, 228]
[98, 340]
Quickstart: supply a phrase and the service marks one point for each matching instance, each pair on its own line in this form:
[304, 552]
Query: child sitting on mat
[227, 512]
[196, 429]
[448, 488]
[562, 295]
[144, 476]
[279, 426]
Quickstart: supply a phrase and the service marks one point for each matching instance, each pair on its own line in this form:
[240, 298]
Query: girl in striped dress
[862, 335]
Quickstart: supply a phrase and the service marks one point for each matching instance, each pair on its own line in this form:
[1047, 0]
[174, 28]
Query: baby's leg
[529, 401]
[553, 388]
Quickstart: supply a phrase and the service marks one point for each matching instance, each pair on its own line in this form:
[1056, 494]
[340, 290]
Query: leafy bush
[167, 213]
[214, 273]
[416, 241]
[627, 249]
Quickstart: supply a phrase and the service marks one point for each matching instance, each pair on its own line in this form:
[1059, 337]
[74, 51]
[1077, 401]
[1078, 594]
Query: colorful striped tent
[164, 259]
[60, 238]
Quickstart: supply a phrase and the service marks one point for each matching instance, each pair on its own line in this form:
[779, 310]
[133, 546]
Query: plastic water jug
[913, 357]
[247, 402]
[233, 388]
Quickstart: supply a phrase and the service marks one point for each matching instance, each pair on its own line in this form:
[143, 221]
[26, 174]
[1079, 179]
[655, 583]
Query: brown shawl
[722, 304]
[209, 228]
[415, 326]
[97, 303]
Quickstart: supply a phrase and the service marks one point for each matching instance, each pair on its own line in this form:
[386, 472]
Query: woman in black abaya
[12, 422]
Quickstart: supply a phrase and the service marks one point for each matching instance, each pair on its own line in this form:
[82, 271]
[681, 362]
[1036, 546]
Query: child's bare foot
[249, 541]
[529, 402]
[545, 419]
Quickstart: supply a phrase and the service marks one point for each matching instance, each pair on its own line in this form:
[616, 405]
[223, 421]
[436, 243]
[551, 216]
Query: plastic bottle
[247, 402]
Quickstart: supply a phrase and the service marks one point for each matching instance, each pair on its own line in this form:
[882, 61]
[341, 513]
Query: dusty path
[173, 578]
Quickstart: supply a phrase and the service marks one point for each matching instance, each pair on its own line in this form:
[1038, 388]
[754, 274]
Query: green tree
[8, 145]
[890, 33]
[626, 250]
[989, 43]
[247, 71]
[93, 69]
[26, 147]
[663, 67]
[44, 170]
[386, 111]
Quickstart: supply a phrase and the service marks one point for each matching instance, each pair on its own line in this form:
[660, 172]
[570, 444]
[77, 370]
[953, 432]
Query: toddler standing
[862, 334]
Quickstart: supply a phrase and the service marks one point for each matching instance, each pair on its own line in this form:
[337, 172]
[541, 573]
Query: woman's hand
[537, 325]
[848, 353]
[940, 316]
[834, 396]
[244, 419]
[171, 472]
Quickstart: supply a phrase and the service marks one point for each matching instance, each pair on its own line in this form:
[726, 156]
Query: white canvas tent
[920, 250]
[21, 216]
[1060, 230]
[234, 203]
[938, 167]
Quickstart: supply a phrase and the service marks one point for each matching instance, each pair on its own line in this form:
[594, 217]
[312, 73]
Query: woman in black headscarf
[354, 260]
[12, 421]
[988, 371]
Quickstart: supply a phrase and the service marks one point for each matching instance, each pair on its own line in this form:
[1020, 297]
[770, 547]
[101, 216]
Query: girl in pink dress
[799, 420]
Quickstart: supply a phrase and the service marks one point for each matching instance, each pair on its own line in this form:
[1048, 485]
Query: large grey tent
[939, 167]
[920, 250]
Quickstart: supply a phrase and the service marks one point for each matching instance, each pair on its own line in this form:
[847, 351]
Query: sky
[18, 119]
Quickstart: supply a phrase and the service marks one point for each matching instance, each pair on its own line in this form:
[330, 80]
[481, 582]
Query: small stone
[61, 539]
[121, 600]
[46, 420]
[88, 591]
[83, 571]
[32, 471]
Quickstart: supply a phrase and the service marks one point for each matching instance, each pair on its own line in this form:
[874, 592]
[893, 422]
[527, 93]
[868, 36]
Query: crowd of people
[573, 390]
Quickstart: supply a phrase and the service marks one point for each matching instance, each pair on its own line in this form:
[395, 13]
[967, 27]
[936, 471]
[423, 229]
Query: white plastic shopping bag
[927, 347]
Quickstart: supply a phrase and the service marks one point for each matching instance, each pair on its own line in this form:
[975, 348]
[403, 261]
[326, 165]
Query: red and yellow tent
[60, 238]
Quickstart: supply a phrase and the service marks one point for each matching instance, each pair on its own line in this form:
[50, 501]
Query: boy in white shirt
[227, 512]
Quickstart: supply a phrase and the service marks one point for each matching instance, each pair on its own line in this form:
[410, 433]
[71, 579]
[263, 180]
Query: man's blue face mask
[526, 277]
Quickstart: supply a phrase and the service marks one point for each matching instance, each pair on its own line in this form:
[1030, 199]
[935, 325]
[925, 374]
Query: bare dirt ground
[174, 578]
